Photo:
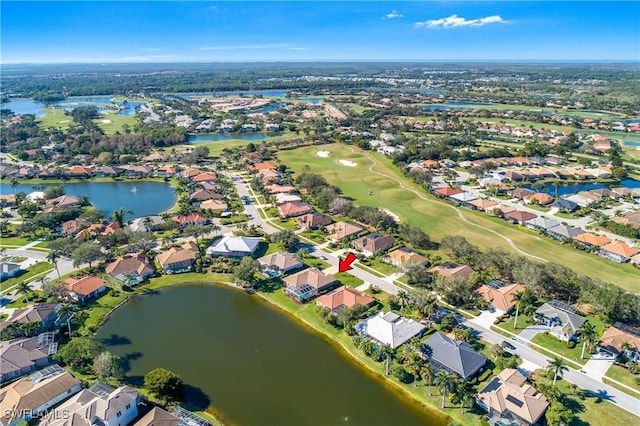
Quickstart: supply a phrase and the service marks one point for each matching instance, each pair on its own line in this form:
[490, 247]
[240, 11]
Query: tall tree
[24, 288]
[389, 353]
[443, 382]
[427, 373]
[119, 214]
[65, 312]
[588, 335]
[53, 257]
[557, 366]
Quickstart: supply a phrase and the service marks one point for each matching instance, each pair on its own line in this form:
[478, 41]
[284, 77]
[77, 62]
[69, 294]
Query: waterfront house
[457, 357]
[178, 259]
[23, 355]
[619, 335]
[500, 294]
[539, 198]
[132, 269]
[563, 204]
[200, 195]
[562, 319]
[7, 200]
[234, 247]
[390, 329]
[61, 203]
[313, 220]
[46, 314]
[521, 193]
[159, 417]
[404, 256]
[344, 297]
[140, 224]
[618, 251]
[30, 396]
[372, 244]
[165, 171]
[308, 283]
[509, 399]
[194, 218]
[99, 405]
[85, 288]
[342, 230]
[276, 264]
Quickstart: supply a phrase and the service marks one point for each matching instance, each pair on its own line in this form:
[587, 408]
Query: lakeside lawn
[436, 217]
[55, 117]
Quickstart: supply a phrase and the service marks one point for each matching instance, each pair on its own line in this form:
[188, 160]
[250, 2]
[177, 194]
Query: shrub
[571, 344]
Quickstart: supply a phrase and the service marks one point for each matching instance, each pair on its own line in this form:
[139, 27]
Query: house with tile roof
[308, 283]
[178, 259]
[618, 251]
[294, 209]
[44, 313]
[617, 337]
[450, 269]
[344, 297]
[390, 329]
[509, 399]
[194, 218]
[341, 230]
[500, 294]
[132, 269]
[372, 244]
[85, 288]
[276, 264]
[519, 217]
[590, 240]
[313, 220]
[404, 256]
[446, 354]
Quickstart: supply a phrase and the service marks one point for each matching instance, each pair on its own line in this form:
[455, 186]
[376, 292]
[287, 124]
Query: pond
[142, 198]
[29, 106]
[245, 136]
[566, 188]
[251, 363]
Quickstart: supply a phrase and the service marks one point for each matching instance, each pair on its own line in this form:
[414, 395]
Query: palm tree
[443, 382]
[389, 352]
[118, 215]
[625, 346]
[427, 373]
[428, 306]
[24, 288]
[525, 301]
[517, 299]
[148, 223]
[53, 257]
[588, 335]
[557, 366]
[404, 298]
[66, 311]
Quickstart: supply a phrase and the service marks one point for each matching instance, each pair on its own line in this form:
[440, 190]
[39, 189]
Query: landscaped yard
[623, 375]
[555, 345]
[33, 270]
[317, 237]
[13, 241]
[524, 321]
[437, 218]
[380, 266]
[349, 280]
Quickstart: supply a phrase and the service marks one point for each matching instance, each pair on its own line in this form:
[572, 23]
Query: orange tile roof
[620, 248]
[85, 285]
[593, 239]
[501, 298]
[614, 337]
[344, 296]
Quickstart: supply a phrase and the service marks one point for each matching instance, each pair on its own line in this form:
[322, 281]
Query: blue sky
[47, 32]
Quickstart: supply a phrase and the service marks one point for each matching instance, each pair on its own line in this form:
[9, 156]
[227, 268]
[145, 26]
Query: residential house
[294, 209]
[342, 230]
[447, 193]
[372, 244]
[262, 166]
[618, 251]
[140, 224]
[283, 198]
[619, 335]
[500, 294]
[268, 176]
[7, 200]
[390, 329]
[9, 269]
[30, 396]
[132, 269]
[178, 259]
[44, 313]
[509, 399]
[277, 188]
[135, 171]
[99, 405]
[159, 417]
[276, 264]
[234, 247]
[565, 205]
[23, 355]
[214, 205]
[484, 204]
[78, 172]
[108, 171]
[200, 195]
[194, 218]
[562, 319]
[85, 288]
[521, 193]
[457, 357]
[313, 220]
[519, 217]
[564, 232]
[590, 240]
[308, 283]
[344, 297]
[539, 198]
[205, 177]
[465, 199]
[165, 171]
[513, 176]
[404, 256]
[541, 224]
[62, 203]
[450, 269]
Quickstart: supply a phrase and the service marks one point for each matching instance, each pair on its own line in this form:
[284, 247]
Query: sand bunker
[348, 163]
[323, 154]
[393, 215]
[106, 121]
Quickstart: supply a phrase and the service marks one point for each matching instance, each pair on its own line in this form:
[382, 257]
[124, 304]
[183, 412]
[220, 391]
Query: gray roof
[391, 328]
[563, 203]
[25, 353]
[37, 312]
[137, 224]
[566, 231]
[6, 267]
[542, 222]
[566, 317]
[455, 356]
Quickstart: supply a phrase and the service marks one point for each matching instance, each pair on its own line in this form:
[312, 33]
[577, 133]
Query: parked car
[508, 345]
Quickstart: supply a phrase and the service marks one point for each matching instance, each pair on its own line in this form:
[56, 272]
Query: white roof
[234, 244]
[391, 328]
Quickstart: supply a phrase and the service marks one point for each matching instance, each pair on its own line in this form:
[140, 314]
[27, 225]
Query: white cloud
[253, 47]
[455, 21]
[394, 14]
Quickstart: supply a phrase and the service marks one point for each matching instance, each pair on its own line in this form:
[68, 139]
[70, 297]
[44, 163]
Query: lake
[149, 199]
[573, 188]
[216, 137]
[250, 362]
[29, 106]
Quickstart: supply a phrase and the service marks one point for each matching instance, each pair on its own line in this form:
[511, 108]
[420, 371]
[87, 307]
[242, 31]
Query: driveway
[486, 318]
[596, 368]
[528, 333]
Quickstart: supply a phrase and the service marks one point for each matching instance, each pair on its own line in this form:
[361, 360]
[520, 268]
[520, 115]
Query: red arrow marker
[345, 265]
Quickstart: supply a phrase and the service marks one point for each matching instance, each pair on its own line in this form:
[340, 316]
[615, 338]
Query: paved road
[532, 357]
[64, 265]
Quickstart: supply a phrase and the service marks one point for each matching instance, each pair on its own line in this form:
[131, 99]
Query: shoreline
[345, 352]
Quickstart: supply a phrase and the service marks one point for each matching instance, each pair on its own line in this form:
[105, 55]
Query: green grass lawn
[380, 266]
[33, 270]
[13, 241]
[55, 118]
[317, 237]
[347, 279]
[624, 376]
[111, 122]
[314, 262]
[523, 322]
[437, 218]
[555, 345]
